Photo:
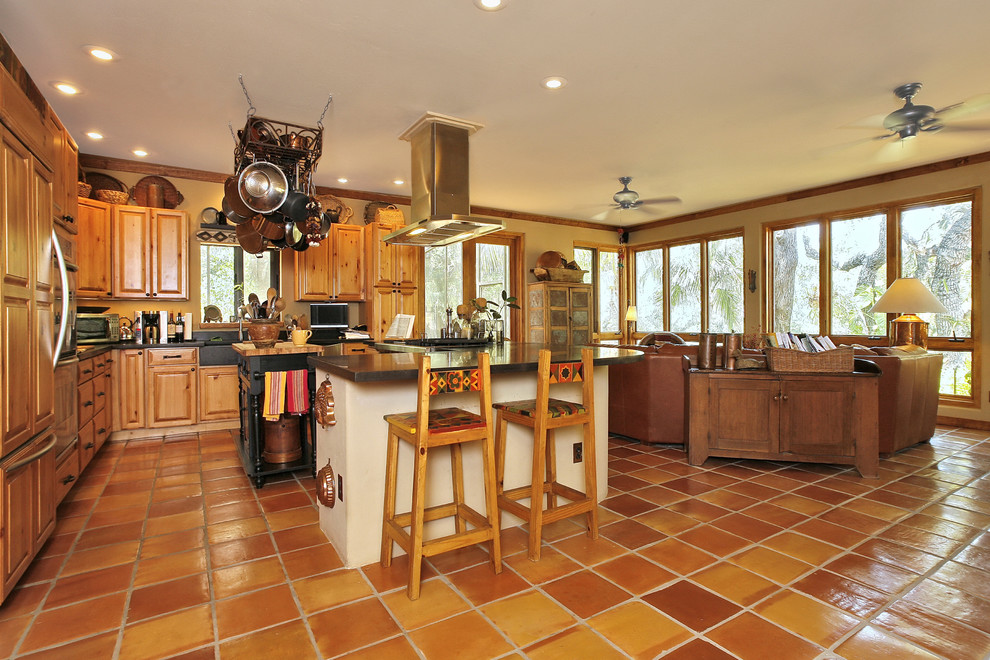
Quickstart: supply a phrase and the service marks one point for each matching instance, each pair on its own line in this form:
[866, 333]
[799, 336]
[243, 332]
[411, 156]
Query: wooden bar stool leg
[457, 484]
[500, 430]
[551, 463]
[591, 479]
[536, 489]
[391, 469]
[491, 503]
[416, 523]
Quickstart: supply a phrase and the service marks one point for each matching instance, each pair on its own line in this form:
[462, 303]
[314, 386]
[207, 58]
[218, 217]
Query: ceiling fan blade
[606, 215]
[670, 199]
[873, 122]
[970, 106]
[969, 127]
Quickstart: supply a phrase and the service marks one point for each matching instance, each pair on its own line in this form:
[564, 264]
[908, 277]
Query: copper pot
[232, 216]
[249, 239]
[233, 198]
[268, 228]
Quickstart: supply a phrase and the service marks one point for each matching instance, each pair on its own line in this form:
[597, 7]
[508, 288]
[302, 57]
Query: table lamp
[631, 317]
[908, 296]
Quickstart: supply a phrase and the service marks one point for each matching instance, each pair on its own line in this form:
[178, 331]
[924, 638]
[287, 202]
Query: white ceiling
[715, 102]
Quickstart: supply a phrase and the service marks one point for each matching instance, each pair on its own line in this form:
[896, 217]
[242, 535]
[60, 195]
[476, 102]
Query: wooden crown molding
[122, 165]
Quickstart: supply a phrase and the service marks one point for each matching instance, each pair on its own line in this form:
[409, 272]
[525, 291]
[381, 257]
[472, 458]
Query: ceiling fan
[627, 199]
[910, 120]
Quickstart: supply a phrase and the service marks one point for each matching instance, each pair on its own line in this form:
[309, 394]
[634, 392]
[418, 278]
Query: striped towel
[274, 404]
[297, 392]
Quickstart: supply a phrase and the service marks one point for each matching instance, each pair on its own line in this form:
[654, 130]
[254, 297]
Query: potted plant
[496, 311]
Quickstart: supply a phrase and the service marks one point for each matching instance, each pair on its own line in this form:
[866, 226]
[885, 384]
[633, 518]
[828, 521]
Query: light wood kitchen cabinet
[827, 418]
[149, 253]
[333, 270]
[559, 313]
[27, 512]
[172, 387]
[94, 406]
[128, 385]
[393, 274]
[94, 255]
[26, 320]
[218, 393]
[64, 202]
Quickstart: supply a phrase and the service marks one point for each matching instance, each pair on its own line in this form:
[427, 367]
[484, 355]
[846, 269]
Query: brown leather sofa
[647, 402]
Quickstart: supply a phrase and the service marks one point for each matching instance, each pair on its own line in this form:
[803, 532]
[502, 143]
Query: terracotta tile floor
[164, 549]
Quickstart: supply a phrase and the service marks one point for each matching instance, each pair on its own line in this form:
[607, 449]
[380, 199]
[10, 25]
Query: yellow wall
[974, 176]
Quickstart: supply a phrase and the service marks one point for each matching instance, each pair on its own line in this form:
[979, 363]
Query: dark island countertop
[505, 358]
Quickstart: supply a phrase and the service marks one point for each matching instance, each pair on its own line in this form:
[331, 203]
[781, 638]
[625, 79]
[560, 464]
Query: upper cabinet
[64, 200]
[93, 251]
[334, 269]
[149, 250]
[390, 265]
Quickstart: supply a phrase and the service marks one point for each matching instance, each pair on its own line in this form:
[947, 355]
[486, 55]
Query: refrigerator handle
[63, 274]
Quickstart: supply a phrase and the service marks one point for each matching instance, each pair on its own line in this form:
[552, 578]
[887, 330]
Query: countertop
[248, 349]
[505, 358]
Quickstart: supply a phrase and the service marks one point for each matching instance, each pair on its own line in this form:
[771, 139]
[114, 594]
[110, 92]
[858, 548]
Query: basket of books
[791, 360]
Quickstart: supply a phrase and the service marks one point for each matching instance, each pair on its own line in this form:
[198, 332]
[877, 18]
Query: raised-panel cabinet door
[169, 258]
[93, 250]
[43, 196]
[218, 388]
[15, 211]
[131, 237]
[130, 388]
[816, 417]
[19, 519]
[15, 342]
[407, 265]
[743, 414]
[379, 255]
[313, 280]
[172, 395]
[42, 367]
[348, 262]
[384, 302]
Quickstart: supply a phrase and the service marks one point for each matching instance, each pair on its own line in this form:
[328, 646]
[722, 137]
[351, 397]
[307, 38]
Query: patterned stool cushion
[441, 420]
[556, 408]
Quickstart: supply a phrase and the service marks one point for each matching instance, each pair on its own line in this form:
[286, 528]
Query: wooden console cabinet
[823, 418]
[559, 313]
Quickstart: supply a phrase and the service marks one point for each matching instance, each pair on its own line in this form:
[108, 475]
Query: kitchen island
[367, 387]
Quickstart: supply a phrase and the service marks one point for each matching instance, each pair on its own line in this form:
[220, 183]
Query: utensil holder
[732, 348]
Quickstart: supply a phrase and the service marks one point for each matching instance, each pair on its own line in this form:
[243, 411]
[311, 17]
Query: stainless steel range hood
[441, 207]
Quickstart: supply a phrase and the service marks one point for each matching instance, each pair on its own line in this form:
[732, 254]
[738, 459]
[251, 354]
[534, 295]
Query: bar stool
[544, 415]
[426, 429]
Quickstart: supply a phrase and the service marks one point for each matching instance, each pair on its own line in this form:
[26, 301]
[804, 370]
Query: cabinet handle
[776, 397]
[171, 357]
[192, 369]
[155, 294]
[101, 394]
[785, 397]
[147, 295]
[88, 403]
[89, 445]
[109, 360]
[69, 479]
[102, 431]
[87, 371]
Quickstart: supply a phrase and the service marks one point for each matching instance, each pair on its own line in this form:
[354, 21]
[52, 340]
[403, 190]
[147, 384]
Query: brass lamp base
[909, 329]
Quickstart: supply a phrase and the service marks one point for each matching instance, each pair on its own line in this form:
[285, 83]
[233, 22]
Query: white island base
[355, 447]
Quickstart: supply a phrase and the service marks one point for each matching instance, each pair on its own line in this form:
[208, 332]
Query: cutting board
[281, 348]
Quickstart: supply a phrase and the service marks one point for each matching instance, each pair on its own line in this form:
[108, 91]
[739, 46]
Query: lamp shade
[908, 295]
[631, 313]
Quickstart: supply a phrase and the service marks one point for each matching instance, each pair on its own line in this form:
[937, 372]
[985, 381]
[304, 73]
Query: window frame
[623, 292]
[274, 276]
[893, 210]
[701, 240]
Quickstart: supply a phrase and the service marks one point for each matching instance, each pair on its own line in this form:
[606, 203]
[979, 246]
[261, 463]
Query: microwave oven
[97, 328]
[329, 315]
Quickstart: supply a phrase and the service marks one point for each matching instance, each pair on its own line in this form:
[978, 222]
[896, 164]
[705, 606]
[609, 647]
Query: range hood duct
[441, 206]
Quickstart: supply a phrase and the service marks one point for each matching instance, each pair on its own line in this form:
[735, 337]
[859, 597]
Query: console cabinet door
[743, 414]
[816, 418]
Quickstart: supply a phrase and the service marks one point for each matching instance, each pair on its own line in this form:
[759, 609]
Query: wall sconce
[752, 281]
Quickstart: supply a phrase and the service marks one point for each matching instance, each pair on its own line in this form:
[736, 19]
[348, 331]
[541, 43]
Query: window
[690, 287]
[931, 240]
[480, 268]
[227, 276]
[604, 267]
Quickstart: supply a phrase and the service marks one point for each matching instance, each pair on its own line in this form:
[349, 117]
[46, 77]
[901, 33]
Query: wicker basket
[112, 196]
[792, 361]
[558, 274]
[83, 189]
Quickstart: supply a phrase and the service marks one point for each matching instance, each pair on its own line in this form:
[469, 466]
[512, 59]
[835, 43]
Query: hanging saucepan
[268, 226]
[249, 239]
[292, 233]
[233, 198]
[297, 238]
[262, 187]
[232, 216]
[295, 206]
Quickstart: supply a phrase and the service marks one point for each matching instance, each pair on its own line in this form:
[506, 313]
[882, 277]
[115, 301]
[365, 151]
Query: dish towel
[274, 403]
[297, 392]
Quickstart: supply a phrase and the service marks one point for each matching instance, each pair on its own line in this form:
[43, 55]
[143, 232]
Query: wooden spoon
[304, 322]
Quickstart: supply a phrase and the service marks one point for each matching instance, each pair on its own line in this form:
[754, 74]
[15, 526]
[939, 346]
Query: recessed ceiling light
[93, 135]
[553, 82]
[398, 182]
[101, 53]
[66, 88]
[140, 153]
[342, 180]
[490, 5]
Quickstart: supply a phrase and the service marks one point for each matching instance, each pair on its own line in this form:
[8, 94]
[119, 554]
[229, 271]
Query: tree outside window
[227, 275]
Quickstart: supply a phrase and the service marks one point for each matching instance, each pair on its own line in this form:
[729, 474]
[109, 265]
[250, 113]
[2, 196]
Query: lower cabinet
[128, 369]
[94, 406]
[218, 392]
[827, 418]
[27, 518]
[172, 387]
